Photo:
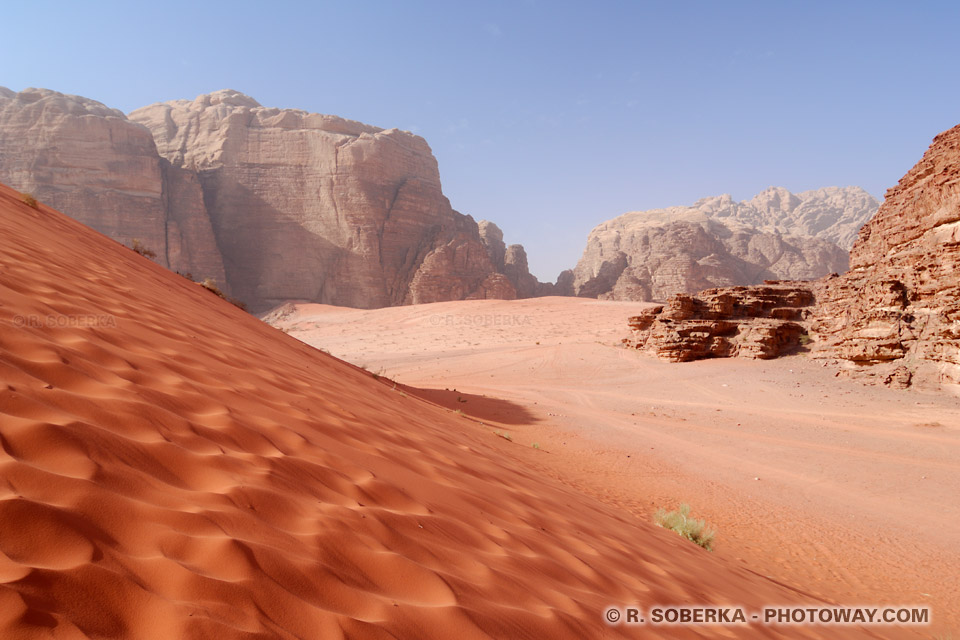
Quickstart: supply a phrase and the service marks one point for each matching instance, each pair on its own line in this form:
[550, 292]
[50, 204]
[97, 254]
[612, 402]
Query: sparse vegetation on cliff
[140, 248]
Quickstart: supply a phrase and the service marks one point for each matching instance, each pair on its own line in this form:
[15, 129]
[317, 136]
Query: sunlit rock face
[314, 207]
[651, 255]
[97, 166]
[899, 305]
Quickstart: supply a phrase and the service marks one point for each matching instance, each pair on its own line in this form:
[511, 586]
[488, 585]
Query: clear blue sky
[546, 117]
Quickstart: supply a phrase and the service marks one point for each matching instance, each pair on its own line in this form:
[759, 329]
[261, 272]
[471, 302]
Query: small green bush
[694, 530]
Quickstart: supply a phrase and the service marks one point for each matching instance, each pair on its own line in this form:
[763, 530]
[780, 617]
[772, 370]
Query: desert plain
[843, 490]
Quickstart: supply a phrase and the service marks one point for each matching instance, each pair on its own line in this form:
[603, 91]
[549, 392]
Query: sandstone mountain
[280, 204]
[895, 316]
[314, 207]
[512, 262]
[651, 255]
[90, 161]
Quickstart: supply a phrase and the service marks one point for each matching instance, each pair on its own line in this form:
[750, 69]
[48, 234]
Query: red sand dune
[171, 467]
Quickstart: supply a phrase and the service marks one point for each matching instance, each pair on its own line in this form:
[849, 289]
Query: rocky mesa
[716, 242]
[894, 317]
[280, 204]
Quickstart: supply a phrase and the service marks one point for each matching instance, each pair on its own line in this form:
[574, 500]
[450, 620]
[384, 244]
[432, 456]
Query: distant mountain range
[651, 255]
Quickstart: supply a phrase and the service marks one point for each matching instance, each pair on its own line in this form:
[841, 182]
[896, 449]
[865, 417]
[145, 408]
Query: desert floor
[817, 481]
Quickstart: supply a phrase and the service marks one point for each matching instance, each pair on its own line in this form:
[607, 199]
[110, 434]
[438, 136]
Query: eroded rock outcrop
[894, 317]
[95, 165]
[651, 255]
[492, 238]
[756, 322]
[896, 313]
[511, 261]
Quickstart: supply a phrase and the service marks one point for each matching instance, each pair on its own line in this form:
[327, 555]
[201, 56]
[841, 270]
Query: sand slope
[171, 467]
[845, 489]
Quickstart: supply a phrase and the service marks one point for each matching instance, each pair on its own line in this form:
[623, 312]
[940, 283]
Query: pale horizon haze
[546, 118]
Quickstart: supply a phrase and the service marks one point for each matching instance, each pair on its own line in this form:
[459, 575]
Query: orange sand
[856, 497]
[174, 468]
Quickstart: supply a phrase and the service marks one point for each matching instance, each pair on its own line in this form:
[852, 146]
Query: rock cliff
[92, 163]
[894, 317]
[832, 213]
[314, 207]
[651, 255]
[896, 313]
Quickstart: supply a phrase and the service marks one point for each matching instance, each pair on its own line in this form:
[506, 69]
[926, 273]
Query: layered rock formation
[756, 322]
[91, 162]
[651, 255]
[314, 207]
[895, 316]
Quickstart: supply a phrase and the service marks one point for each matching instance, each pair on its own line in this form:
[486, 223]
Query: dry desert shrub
[211, 285]
[140, 248]
[29, 200]
[694, 530]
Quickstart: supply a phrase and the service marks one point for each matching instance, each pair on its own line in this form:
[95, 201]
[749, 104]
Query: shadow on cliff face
[269, 257]
[483, 408]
